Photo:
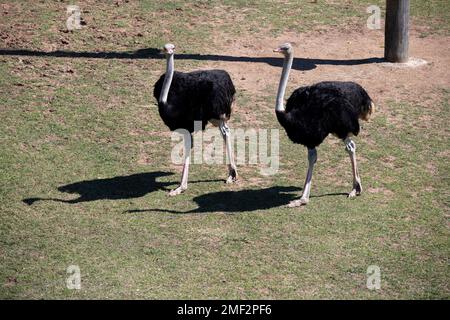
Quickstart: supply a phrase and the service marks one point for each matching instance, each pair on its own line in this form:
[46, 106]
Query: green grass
[99, 122]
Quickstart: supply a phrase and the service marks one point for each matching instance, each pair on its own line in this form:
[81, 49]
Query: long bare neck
[287, 64]
[167, 80]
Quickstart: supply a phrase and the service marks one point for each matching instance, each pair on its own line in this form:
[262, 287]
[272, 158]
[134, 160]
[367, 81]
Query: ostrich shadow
[302, 64]
[116, 188]
[330, 194]
[237, 201]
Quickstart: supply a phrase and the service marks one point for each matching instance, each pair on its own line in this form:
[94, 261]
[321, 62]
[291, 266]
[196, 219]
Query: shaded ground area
[237, 201]
[125, 187]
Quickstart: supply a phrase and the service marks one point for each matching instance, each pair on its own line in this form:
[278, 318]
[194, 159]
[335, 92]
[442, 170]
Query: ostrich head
[285, 48]
[169, 49]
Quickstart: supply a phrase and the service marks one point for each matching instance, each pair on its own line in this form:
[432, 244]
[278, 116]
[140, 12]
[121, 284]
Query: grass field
[85, 161]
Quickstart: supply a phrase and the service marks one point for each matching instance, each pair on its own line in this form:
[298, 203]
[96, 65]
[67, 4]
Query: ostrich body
[313, 112]
[205, 96]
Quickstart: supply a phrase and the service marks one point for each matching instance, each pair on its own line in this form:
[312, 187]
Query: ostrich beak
[277, 50]
[165, 51]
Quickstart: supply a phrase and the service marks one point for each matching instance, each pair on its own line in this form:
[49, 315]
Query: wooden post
[396, 37]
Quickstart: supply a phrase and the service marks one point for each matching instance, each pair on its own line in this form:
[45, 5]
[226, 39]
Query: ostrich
[205, 96]
[315, 111]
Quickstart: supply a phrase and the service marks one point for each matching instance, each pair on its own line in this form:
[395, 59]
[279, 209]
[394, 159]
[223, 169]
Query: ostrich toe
[298, 203]
[177, 191]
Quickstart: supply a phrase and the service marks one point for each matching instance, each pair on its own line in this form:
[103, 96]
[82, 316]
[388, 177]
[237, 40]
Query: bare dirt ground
[319, 58]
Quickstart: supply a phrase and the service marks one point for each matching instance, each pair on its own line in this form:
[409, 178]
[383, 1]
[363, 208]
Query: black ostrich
[204, 96]
[315, 111]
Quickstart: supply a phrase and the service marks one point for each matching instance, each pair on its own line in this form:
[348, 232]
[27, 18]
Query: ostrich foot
[177, 191]
[357, 190]
[298, 203]
[232, 177]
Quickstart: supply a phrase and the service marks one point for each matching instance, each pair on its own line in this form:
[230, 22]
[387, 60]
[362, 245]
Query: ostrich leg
[350, 146]
[232, 170]
[187, 158]
[312, 158]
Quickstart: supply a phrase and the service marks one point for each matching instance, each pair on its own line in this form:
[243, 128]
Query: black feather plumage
[195, 96]
[313, 112]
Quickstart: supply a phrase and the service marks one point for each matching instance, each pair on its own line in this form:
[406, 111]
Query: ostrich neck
[287, 64]
[167, 80]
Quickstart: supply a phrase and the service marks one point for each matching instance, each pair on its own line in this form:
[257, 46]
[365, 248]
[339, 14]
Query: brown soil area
[346, 55]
